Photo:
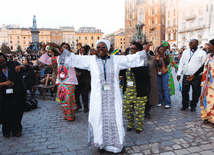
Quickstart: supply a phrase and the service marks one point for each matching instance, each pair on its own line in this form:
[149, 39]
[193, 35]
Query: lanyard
[191, 54]
[104, 66]
[6, 74]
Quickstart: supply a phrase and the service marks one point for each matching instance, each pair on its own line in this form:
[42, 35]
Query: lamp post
[139, 31]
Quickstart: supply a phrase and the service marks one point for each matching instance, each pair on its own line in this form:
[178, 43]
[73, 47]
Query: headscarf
[165, 43]
[107, 42]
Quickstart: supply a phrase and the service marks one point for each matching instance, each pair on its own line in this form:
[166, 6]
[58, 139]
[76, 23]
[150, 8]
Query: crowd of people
[144, 76]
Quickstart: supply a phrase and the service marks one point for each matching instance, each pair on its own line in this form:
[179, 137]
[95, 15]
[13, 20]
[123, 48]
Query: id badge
[159, 73]
[130, 83]
[106, 87]
[9, 91]
[62, 75]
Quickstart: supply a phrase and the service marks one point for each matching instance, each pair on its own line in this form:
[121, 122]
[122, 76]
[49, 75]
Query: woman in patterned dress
[207, 97]
[66, 81]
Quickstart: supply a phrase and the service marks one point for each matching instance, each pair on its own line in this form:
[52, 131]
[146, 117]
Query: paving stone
[206, 147]
[176, 147]
[194, 149]
[146, 152]
[207, 152]
[167, 143]
[182, 152]
[167, 153]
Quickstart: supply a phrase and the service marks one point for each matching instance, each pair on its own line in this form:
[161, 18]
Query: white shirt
[187, 67]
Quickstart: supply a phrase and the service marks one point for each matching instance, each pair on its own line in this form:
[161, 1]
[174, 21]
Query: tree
[19, 49]
[5, 49]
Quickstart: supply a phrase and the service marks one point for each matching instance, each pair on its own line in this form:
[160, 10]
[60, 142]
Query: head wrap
[212, 42]
[165, 43]
[107, 42]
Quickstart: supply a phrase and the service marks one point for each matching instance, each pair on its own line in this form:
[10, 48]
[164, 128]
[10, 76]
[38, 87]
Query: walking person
[136, 89]
[66, 81]
[206, 99]
[12, 96]
[106, 129]
[191, 61]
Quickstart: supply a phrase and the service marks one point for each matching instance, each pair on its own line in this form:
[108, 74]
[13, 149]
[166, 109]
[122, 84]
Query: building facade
[149, 16]
[89, 35]
[3, 35]
[171, 21]
[68, 36]
[56, 36]
[194, 19]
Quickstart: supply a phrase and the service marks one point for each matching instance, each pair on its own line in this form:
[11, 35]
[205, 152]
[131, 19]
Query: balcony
[199, 27]
[190, 17]
[182, 31]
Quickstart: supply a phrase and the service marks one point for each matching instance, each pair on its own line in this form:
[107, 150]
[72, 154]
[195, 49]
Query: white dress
[105, 129]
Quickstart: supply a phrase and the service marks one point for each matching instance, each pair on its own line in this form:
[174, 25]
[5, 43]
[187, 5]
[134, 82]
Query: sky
[107, 15]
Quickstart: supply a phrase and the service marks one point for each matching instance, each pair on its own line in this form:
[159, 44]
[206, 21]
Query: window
[200, 20]
[23, 37]
[184, 25]
[168, 14]
[86, 38]
[169, 36]
[192, 12]
[10, 37]
[200, 35]
[28, 37]
[192, 36]
[11, 41]
[169, 23]
[207, 9]
[53, 34]
[192, 24]
[59, 41]
[184, 37]
[153, 22]
[53, 40]
[121, 43]
[153, 1]
[18, 41]
[79, 37]
[201, 10]
[174, 36]
[121, 47]
[174, 12]
[163, 21]
[92, 38]
[59, 34]
[184, 15]
[46, 37]
[24, 42]
[92, 44]
[153, 12]
[174, 22]
[130, 16]
[42, 37]
[162, 10]
[17, 37]
[98, 38]
[11, 47]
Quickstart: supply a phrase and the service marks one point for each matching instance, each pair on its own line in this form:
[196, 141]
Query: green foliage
[19, 49]
[51, 47]
[5, 48]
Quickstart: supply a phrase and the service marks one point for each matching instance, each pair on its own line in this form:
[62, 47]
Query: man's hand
[178, 78]
[18, 68]
[8, 83]
[190, 78]
[148, 46]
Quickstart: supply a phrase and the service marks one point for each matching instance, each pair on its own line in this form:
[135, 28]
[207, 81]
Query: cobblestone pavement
[169, 132]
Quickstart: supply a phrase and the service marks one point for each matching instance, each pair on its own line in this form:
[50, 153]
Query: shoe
[193, 109]
[138, 131]
[183, 108]
[128, 129]
[101, 151]
[167, 106]
[148, 117]
[78, 108]
[159, 105]
[72, 119]
[86, 110]
[19, 134]
[206, 121]
[6, 136]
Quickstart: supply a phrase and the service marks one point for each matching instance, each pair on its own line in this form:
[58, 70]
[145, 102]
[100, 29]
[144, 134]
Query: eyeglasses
[133, 49]
[103, 47]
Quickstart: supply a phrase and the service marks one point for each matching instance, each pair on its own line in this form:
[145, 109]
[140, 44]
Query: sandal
[64, 118]
[206, 121]
[71, 120]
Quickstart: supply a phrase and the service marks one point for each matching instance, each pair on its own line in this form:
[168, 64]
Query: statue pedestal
[35, 40]
[35, 35]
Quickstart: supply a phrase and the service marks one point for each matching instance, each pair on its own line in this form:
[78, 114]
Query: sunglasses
[133, 49]
[103, 47]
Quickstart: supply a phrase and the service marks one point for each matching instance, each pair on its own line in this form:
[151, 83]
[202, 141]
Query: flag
[115, 52]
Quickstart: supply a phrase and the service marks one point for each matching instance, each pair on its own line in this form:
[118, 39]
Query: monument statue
[34, 22]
